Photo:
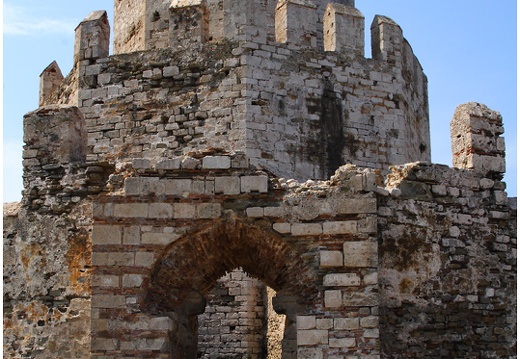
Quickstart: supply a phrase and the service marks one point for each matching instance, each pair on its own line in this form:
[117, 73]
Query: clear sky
[466, 47]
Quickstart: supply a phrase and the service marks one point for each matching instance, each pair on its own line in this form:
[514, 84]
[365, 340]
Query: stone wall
[129, 26]
[198, 149]
[295, 110]
[203, 217]
[448, 249]
[234, 323]
[447, 265]
[46, 288]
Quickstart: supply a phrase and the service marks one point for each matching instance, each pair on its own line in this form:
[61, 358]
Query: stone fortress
[238, 181]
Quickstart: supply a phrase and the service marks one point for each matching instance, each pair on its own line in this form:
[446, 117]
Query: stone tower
[238, 179]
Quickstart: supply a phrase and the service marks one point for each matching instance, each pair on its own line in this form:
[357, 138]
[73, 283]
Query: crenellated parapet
[284, 81]
[296, 22]
[92, 39]
[343, 29]
[189, 23]
[50, 80]
[242, 76]
[330, 26]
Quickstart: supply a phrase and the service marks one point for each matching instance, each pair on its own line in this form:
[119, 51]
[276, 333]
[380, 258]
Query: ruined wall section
[56, 174]
[447, 265]
[66, 93]
[47, 246]
[391, 49]
[292, 236]
[448, 249]
[46, 288]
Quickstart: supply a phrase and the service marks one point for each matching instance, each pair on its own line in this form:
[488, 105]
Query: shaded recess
[189, 269]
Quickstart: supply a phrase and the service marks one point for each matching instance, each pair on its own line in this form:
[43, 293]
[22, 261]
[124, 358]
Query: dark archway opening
[190, 268]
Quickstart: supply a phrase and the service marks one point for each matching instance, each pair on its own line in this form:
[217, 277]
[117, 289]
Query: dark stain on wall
[332, 122]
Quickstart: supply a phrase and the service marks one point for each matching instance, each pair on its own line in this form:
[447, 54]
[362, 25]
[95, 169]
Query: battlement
[283, 67]
[329, 26]
[154, 24]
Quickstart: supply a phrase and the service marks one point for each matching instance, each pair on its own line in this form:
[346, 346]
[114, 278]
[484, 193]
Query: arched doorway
[190, 268]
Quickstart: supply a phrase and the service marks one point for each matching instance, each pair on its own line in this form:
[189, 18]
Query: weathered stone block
[184, 210]
[131, 210]
[305, 322]
[369, 322]
[177, 187]
[254, 184]
[106, 234]
[132, 280]
[358, 206]
[339, 227]
[104, 344]
[284, 228]
[346, 323]
[306, 229]
[342, 343]
[333, 299]
[331, 259]
[324, 323]
[240, 161]
[227, 185]
[274, 212]
[255, 212]
[312, 337]
[148, 344]
[151, 186]
[209, 210]
[144, 259]
[341, 280]
[105, 281]
[216, 162]
[356, 299]
[108, 301]
[168, 164]
[190, 163]
[170, 71]
[110, 259]
[371, 333]
[132, 235]
[141, 163]
[360, 254]
[370, 278]
[160, 210]
[132, 186]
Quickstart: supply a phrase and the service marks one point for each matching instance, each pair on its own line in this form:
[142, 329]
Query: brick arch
[195, 262]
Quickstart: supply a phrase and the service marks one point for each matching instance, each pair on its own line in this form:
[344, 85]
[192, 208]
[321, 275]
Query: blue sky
[466, 47]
